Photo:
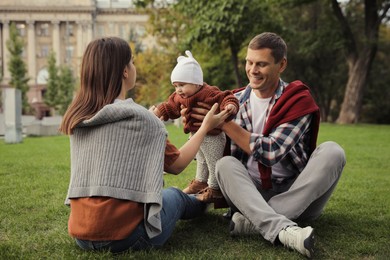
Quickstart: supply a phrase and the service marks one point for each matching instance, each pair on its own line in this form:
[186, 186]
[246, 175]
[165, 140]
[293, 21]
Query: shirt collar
[280, 89]
[245, 96]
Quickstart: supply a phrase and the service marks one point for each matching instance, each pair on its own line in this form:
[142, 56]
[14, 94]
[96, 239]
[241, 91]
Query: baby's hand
[231, 109]
[155, 111]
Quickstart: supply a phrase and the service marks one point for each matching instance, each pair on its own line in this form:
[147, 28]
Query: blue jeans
[176, 205]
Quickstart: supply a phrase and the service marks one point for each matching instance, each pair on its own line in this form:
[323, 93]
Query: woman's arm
[191, 147]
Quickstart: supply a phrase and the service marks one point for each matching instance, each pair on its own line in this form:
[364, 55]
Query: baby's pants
[211, 150]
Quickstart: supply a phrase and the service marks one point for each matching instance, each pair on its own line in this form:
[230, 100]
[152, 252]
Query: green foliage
[16, 65]
[225, 24]
[154, 65]
[376, 105]
[153, 77]
[316, 52]
[52, 85]
[312, 59]
[354, 225]
[60, 85]
[226, 21]
[65, 89]
[360, 23]
[169, 27]
[218, 67]
[1, 92]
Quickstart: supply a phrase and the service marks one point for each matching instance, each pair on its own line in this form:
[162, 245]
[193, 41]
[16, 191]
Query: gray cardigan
[119, 153]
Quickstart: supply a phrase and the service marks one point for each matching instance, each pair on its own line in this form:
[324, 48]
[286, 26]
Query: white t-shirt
[259, 108]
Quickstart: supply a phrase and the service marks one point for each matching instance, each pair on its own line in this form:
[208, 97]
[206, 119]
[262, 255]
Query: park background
[340, 49]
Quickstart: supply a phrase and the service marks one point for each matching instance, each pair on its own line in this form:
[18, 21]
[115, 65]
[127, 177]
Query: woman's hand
[197, 112]
[231, 109]
[212, 120]
[191, 147]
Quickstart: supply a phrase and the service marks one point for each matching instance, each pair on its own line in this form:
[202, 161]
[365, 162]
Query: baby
[187, 77]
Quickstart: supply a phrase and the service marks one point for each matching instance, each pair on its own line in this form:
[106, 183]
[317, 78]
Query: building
[64, 27]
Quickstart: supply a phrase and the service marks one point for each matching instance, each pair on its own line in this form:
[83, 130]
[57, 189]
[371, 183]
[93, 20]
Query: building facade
[64, 27]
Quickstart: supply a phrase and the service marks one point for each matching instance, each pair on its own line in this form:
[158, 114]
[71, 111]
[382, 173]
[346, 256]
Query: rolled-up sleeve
[272, 148]
[171, 154]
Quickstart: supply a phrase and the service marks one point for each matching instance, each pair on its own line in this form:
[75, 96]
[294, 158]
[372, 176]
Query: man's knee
[223, 166]
[334, 152]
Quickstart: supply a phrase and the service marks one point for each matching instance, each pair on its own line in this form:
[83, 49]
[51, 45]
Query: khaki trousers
[303, 198]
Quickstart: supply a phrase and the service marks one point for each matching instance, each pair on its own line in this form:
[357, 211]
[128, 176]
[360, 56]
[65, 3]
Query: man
[275, 174]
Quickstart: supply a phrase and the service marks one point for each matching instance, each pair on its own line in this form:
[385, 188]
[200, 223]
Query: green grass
[34, 177]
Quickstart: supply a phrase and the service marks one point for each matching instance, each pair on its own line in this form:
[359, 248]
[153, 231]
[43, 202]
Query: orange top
[105, 218]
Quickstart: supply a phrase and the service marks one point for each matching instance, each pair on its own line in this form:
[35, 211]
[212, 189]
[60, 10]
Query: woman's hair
[100, 80]
[269, 40]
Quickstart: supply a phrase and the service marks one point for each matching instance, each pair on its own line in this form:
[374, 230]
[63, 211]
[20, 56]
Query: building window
[43, 29]
[69, 29]
[21, 29]
[24, 53]
[44, 51]
[140, 30]
[69, 53]
[100, 30]
[111, 28]
[42, 76]
[122, 31]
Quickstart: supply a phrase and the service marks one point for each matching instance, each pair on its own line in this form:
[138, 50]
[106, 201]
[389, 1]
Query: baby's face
[185, 90]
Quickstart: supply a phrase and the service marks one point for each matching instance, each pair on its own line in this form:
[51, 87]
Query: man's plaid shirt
[288, 143]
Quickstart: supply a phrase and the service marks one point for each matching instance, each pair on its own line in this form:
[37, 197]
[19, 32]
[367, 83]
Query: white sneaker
[240, 225]
[300, 239]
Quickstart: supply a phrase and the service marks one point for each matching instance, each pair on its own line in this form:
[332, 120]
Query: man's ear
[283, 65]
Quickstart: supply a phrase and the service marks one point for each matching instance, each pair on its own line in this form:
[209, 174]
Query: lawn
[34, 178]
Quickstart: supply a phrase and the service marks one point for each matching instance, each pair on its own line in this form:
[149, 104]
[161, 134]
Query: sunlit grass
[34, 178]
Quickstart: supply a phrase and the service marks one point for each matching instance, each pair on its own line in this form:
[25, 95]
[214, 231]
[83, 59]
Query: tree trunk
[353, 95]
[235, 66]
[359, 62]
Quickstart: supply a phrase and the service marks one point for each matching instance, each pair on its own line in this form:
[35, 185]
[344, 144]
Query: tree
[60, 86]
[16, 65]
[65, 89]
[52, 86]
[1, 92]
[376, 105]
[225, 23]
[317, 62]
[154, 65]
[174, 24]
[153, 77]
[361, 48]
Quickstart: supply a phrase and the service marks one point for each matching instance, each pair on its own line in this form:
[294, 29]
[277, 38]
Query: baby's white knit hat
[187, 70]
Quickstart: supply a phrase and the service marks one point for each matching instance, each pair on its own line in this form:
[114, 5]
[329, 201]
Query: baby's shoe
[195, 187]
[210, 195]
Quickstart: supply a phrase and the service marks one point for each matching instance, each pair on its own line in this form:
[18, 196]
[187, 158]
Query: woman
[119, 151]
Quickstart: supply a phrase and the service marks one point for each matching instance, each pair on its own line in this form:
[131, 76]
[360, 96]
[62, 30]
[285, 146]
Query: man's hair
[269, 40]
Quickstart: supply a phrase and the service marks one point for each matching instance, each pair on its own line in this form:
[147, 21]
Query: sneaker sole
[231, 228]
[308, 243]
[232, 225]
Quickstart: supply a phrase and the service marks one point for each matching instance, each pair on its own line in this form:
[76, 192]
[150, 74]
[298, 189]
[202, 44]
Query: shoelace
[290, 237]
[249, 227]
